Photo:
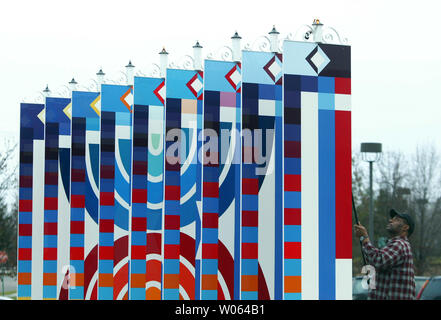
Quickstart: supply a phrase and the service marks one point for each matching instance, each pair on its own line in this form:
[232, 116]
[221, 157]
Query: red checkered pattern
[394, 271]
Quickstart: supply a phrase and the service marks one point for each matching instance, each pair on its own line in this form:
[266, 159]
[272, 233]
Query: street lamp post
[371, 152]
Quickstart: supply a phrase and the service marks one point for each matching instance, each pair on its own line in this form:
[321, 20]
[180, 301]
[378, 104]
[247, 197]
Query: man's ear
[405, 227]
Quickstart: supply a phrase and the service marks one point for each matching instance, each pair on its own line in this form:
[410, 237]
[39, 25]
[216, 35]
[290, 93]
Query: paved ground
[10, 284]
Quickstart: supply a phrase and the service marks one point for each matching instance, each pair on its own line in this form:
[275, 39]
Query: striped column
[292, 188]
[78, 193]
[139, 204]
[250, 192]
[210, 194]
[50, 211]
[149, 94]
[30, 211]
[172, 201]
[107, 202]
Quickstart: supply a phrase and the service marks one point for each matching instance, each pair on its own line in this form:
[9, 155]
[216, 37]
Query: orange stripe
[77, 279]
[24, 278]
[249, 283]
[293, 284]
[49, 279]
[209, 282]
[153, 294]
[138, 280]
[105, 280]
[171, 281]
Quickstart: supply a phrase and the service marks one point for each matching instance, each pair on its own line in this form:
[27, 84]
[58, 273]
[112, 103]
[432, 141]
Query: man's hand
[360, 231]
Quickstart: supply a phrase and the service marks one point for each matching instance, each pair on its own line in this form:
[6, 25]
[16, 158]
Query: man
[394, 271]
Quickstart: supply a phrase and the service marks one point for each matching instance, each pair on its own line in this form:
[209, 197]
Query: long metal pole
[371, 213]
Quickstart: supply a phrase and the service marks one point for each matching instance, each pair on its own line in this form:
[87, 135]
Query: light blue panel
[326, 101]
[171, 267]
[292, 233]
[297, 53]
[24, 290]
[292, 296]
[93, 124]
[137, 293]
[76, 293]
[24, 265]
[249, 295]
[249, 234]
[209, 266]
[143, 91]
[105, 293]
[209, 294]
[293, 267]
[249, 267]
[78, 266]
[214, 75]
[123, 119]
[177, 84]
[253, 63]
[49, 291]
[105, 265]
[171, 294]
[111, 98]
[50, 265]
[137, 266]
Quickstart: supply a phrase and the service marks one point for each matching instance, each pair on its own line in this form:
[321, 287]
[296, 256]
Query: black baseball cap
[406, 217]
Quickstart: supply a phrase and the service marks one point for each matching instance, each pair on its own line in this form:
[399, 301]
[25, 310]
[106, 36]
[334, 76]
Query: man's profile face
[396, 225]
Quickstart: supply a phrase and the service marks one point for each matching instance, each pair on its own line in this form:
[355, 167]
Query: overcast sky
[396, 51]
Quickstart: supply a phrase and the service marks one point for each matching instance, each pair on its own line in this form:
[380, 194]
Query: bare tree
[424, 178]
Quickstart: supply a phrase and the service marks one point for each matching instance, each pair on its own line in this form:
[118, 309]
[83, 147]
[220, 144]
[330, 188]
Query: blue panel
[137, 266]
[326, 84]
[209, 266]
[111, 98]
[209, 294]
[292, 233]
[249, 267]
[293, 267]
[292, 296]
[172, 266]
[249, 295]
[293, 199]
[326, 205]
[249, 234]
[143, 91]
